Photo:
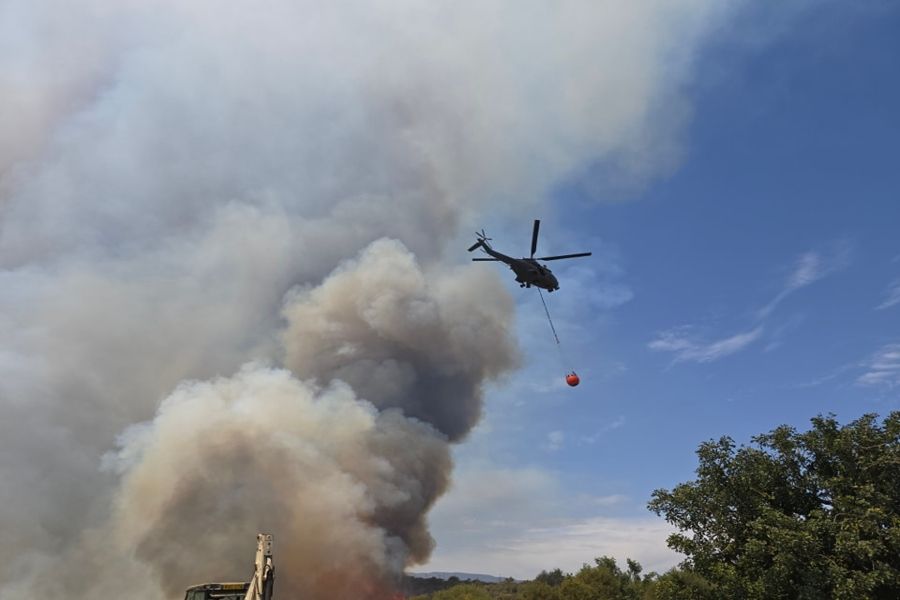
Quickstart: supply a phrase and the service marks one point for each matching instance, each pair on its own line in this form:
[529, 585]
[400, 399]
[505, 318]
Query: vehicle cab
[217, 591]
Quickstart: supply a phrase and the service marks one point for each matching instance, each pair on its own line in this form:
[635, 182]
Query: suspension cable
[571, 377]
[549, 320]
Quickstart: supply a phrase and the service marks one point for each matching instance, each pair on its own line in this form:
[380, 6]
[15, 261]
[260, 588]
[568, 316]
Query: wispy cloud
[882, 368]
[614, 424]
[892, 296]
[554, 441]
[687, 347]
[778, 334]
[808, 268]
[834, 374]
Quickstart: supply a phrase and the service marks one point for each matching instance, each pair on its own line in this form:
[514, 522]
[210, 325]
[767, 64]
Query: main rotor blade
[534, 235]
[484, 259]
[563, 256]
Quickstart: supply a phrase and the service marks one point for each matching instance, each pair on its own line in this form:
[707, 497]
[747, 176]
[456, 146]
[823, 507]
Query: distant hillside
[415, 584]
[461, 576]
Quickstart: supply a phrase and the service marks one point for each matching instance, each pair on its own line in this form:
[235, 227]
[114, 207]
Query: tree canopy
[795, 515]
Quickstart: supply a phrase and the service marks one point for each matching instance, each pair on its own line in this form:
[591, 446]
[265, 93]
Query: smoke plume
[345, 486]
[227, 302]
[403, 340]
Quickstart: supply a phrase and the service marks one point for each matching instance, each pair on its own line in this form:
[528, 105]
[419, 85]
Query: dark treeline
[794, 515]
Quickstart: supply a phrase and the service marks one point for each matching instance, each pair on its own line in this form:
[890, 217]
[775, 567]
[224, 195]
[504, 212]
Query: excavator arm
[263, 583]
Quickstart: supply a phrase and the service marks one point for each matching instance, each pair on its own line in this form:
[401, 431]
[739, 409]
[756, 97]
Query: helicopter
[529, 272]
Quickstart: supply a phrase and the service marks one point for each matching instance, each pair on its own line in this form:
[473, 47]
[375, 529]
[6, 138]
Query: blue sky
[757, 284]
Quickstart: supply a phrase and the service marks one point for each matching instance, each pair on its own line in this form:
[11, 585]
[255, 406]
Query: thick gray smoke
[186, 357]
[404, 340]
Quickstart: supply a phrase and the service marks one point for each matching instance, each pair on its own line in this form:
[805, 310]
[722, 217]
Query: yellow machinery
[260, 587]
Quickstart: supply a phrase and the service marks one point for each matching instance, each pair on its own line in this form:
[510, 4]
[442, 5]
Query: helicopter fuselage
[529, 272]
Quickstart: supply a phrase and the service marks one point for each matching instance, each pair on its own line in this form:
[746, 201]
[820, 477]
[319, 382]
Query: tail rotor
[482, 239]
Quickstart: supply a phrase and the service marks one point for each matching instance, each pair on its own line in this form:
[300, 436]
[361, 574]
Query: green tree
[679, 584]
[604, 580]
[464, 591]
[795, 515]
[552, 578]
[538, 590]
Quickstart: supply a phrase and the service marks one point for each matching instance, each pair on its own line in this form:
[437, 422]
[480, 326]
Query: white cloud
[883, 368]
[516, 522]
[482, 498]
[892, 296]
[567, 546]
[686, 347]
[572, 544]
